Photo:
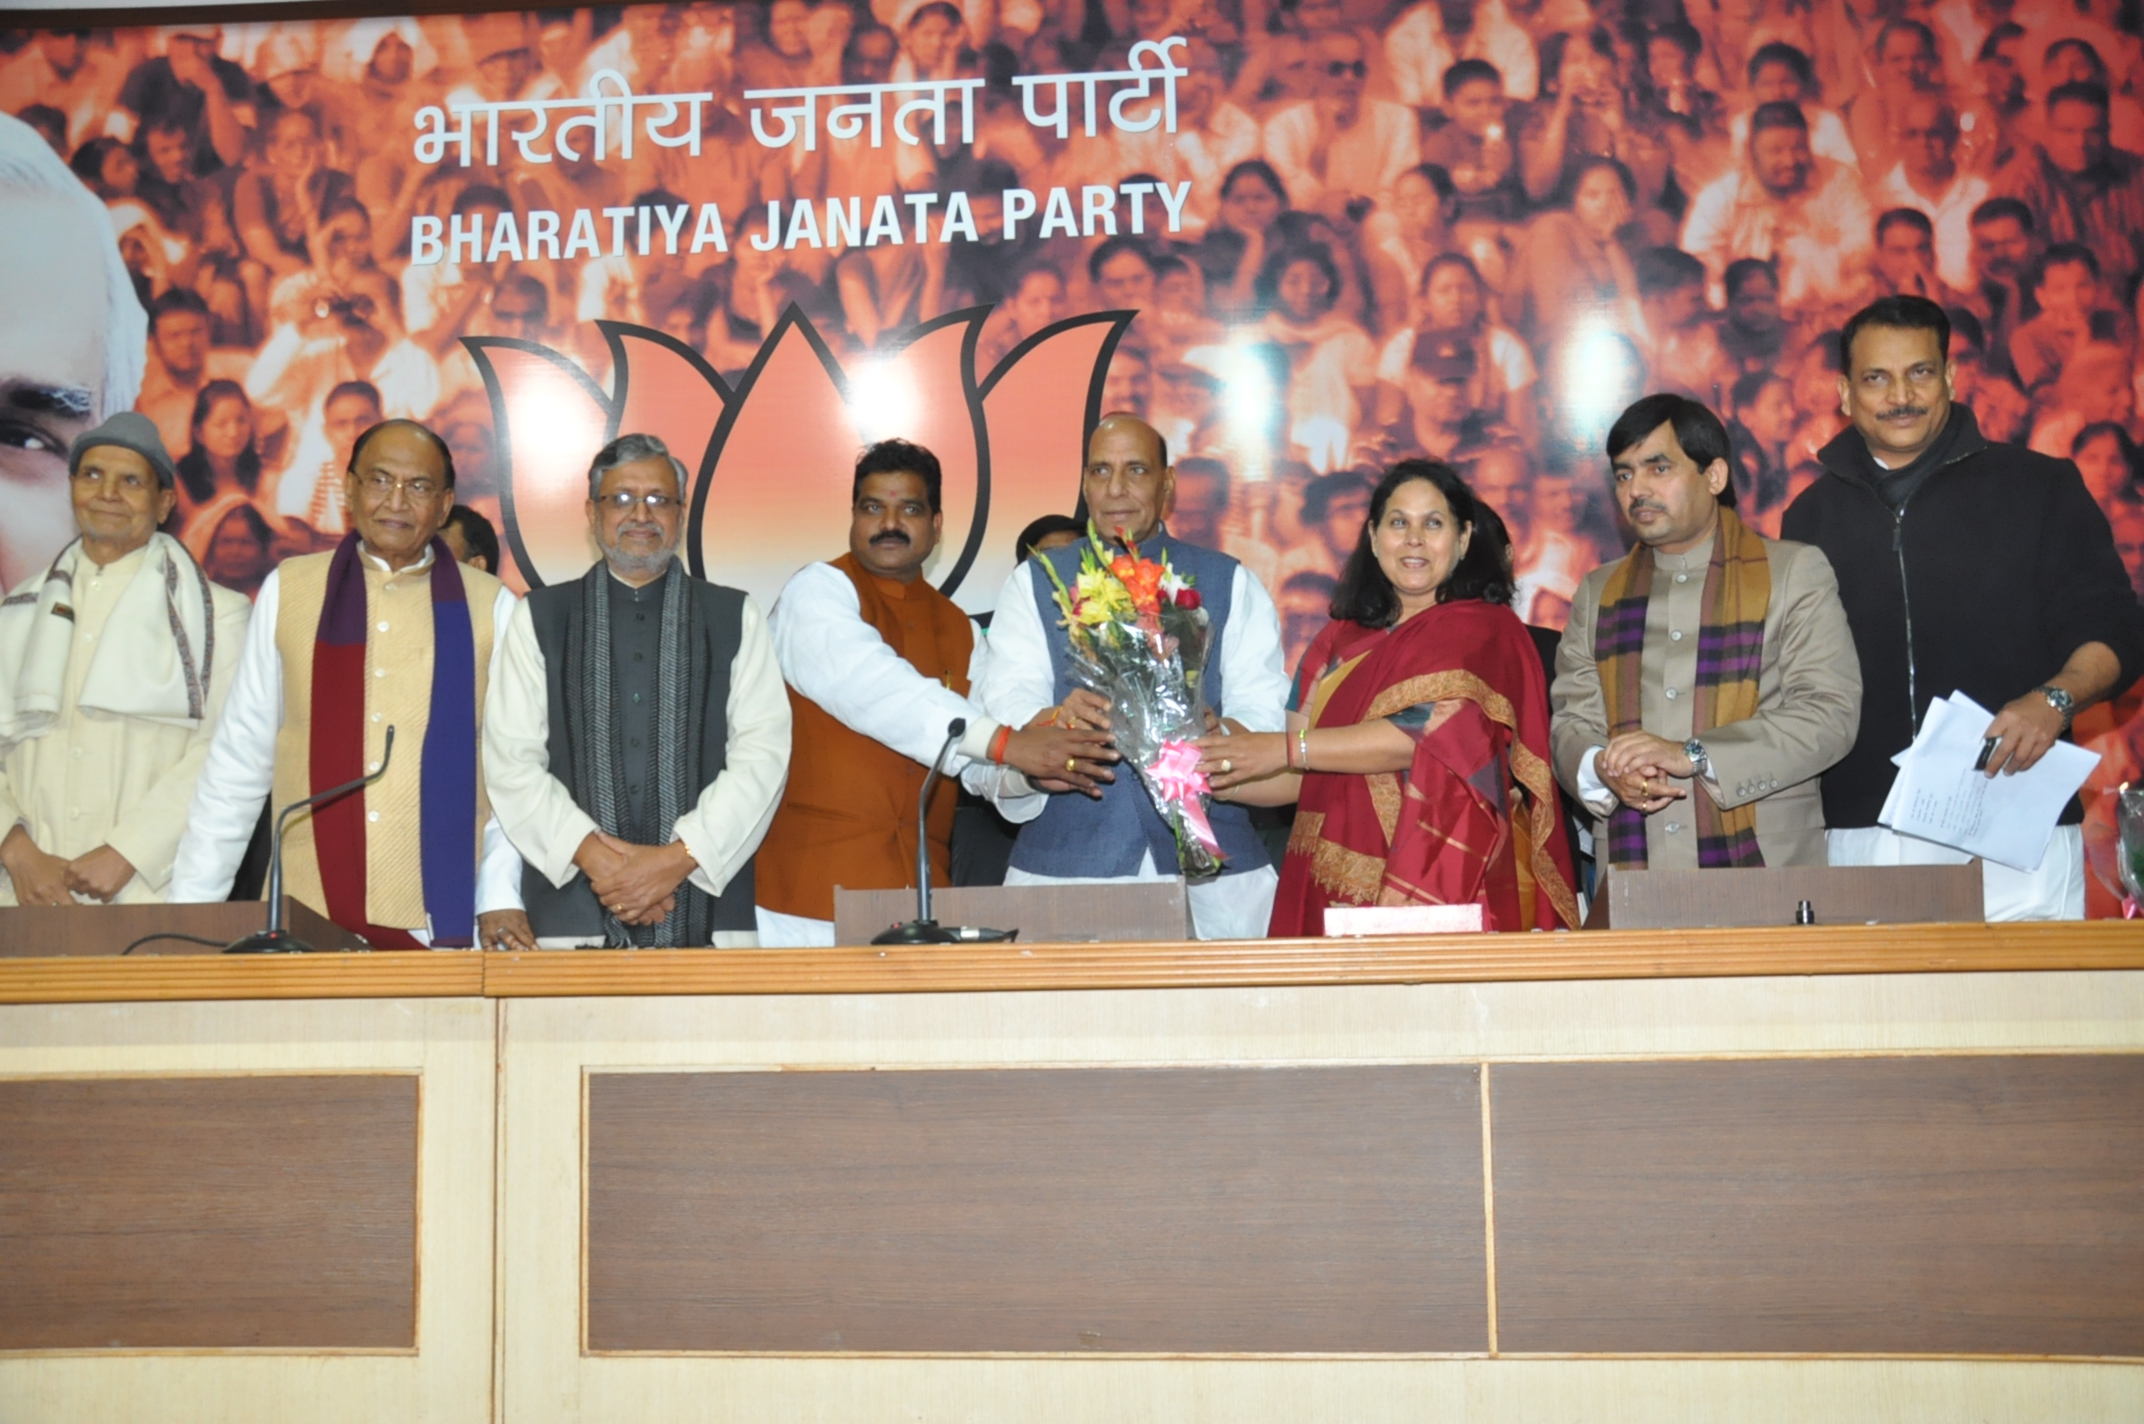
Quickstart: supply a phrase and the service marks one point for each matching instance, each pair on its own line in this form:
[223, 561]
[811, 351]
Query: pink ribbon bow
[1175, 773]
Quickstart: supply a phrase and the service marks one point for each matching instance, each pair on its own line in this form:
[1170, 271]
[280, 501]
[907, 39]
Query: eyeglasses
[626, 499]
[381, 485]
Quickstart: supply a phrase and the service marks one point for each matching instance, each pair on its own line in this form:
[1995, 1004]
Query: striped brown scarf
[1730, 651]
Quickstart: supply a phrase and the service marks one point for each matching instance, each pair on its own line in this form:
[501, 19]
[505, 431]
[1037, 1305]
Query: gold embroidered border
[1349, 875]
[1442, 687]
[1385, 796]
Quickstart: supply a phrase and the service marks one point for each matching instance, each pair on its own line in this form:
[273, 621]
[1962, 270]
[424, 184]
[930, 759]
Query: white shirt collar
[381, 564]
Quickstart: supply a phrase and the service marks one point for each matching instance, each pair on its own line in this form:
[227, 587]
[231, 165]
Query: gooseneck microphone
[275, 939]
[923, 929]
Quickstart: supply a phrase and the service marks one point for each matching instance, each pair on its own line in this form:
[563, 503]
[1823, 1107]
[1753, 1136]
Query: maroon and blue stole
[447, 786]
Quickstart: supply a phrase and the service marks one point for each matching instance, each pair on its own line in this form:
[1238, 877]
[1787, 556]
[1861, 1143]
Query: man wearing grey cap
[114, 664]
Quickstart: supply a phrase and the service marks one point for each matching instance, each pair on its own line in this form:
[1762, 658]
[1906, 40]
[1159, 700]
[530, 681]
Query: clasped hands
[1642, 769]
[636, 883]
[42, 879]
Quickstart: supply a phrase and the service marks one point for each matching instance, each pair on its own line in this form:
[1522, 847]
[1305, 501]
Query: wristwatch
[2059, 700]
[1700, 762]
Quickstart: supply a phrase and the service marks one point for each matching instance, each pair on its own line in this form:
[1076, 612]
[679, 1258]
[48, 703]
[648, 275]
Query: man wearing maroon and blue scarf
[1706, 679]
[385, 633]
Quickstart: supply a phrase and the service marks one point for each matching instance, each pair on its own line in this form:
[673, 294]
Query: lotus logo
[771, 457]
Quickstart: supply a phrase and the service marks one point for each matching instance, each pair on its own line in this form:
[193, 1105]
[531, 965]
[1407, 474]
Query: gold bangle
[1302, 745]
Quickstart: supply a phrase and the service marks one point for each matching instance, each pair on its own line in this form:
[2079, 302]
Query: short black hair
[1318, 499]
[1742, 269]
[363, 389]
[1780, 52]
[1702, 437]
[899, 457]
[481, 195]
[477, 533]
[1999, 36]
[2079, 91]
[1667, 269]
[1266, 287]
[1042, 529]
[1366, 596]
[1905, 217]
[1996, 209]
[1472, 71]
[178, 299]
[357, 447]
[1779, 114]
[1901, 313]
[1681, 34]
[2061, 254]
[1112, 247]
[1263, 171]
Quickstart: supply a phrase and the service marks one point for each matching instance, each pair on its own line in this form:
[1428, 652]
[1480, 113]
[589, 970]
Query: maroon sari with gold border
[1474, 819]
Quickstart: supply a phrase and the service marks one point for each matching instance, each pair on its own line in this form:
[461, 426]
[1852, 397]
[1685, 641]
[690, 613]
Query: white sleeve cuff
[1591, 789]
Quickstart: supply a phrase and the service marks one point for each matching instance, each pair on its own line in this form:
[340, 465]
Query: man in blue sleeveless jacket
[1115, 834]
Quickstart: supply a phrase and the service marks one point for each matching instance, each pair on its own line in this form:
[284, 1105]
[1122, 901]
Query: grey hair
[29, 168]
[627, 450]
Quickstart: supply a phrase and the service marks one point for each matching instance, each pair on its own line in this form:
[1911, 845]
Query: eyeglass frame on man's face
[420, 488]
[655, 501]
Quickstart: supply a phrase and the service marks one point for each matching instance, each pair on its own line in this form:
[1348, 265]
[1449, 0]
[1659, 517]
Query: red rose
[1187, 598]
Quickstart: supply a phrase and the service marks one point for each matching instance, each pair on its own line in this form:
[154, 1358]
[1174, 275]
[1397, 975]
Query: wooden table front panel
[244, 1211]
[1924, 1205]
[1205, 1210]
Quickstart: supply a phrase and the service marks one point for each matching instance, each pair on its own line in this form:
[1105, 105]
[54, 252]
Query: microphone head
[957, 727]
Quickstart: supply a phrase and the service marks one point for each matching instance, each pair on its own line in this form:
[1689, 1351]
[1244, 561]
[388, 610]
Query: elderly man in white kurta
[114, 665]
[638, 732]
[387, 634]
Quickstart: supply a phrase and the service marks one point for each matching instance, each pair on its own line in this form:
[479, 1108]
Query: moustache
[892, 536]
[1897, 411]
[1642, 506]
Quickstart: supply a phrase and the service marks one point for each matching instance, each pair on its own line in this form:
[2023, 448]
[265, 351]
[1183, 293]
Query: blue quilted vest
[1078, 836]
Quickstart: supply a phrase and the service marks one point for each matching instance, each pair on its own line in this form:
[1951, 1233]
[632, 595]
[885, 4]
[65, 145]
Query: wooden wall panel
[198, 1212]
[1177, 1209]
[1938, 1205]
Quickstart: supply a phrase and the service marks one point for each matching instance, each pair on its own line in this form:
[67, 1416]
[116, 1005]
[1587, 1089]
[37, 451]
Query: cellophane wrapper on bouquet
[1140, 638]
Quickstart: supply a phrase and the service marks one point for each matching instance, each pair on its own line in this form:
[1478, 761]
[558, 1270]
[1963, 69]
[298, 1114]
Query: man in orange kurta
[879, 663]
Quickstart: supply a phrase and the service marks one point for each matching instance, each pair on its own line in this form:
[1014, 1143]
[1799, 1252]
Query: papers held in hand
[1944, 794]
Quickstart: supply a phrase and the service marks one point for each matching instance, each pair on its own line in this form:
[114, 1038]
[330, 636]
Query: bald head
[1128, 481]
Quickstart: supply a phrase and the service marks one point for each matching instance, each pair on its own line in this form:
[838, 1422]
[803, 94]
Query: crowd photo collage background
[1303, 240]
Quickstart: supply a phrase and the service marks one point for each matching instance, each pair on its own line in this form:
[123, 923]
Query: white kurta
[1021, 680]
[98, 779]
[723, 828]
[240, 771]
[835, 659]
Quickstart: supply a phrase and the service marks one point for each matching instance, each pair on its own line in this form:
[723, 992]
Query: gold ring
[1227, 766]
[617, 909]
[1071, 763]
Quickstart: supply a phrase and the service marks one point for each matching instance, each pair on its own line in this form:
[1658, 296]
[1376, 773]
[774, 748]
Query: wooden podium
[1751, 899]
[70, 931]
[1138, 912]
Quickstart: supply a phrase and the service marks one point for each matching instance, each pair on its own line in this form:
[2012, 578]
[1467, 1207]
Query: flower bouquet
[1140, 638]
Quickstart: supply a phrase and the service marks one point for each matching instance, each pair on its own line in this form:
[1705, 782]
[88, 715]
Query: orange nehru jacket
[848, 816]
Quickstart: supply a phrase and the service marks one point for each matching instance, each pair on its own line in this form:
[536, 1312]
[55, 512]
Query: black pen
[1987, 749]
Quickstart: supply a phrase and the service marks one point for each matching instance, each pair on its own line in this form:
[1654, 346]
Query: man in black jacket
[1965, 566]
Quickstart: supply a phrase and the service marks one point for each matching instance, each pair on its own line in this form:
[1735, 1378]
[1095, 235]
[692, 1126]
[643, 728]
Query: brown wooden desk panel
[198, 1212]
[1172, 1209]
[1926, 1205]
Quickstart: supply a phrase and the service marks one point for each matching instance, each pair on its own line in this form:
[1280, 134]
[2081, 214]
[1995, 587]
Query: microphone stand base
[269, 942]
[917, 932]
[931, 932]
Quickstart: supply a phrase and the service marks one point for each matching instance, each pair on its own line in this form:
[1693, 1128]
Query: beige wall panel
[550, 1043]
[450, 1044]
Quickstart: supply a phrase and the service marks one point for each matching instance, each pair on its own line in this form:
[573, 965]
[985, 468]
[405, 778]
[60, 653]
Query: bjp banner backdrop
[1302, 237]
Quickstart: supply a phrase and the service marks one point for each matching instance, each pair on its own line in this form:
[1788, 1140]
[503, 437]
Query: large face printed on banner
[53, 328]
[769, 459]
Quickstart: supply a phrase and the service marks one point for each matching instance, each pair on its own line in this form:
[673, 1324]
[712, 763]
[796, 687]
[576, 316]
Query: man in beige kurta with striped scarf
[1705, 680]
[387, 632]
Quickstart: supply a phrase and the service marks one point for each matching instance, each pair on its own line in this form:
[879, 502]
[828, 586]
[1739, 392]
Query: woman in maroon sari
[1417, 746]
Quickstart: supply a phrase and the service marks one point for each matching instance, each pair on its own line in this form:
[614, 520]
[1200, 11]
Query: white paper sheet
[1938, 796]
